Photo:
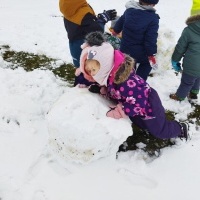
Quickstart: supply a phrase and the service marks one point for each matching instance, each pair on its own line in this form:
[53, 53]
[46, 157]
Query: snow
[31, 169]
[79, 129]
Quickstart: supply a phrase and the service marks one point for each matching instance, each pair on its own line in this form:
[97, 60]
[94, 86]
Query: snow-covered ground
[30, 170]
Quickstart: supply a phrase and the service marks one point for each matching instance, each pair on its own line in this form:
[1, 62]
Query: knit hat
[150, 1]
[104, 54]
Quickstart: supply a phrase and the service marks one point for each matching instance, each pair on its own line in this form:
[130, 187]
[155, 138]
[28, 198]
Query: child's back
[139, 25]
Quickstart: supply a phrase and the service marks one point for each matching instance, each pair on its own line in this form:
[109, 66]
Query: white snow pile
[79, 130]
[165, 43]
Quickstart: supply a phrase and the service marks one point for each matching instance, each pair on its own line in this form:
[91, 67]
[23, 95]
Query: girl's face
[92, 67]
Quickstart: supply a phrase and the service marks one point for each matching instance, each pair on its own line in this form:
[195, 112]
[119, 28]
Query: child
[188, 48]
[139, 26]
[79, 20]
[115, 74]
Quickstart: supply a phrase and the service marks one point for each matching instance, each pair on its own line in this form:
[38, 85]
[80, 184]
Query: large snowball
[79, 130]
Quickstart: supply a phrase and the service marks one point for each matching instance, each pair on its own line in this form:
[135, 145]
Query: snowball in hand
[79, 130]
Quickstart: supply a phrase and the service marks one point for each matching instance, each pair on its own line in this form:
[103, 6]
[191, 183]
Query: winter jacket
[188, 47]
[79, 18]
[139, 25]
[130, 90]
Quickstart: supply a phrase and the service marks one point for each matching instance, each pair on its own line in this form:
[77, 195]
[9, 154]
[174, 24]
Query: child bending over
[115, 74]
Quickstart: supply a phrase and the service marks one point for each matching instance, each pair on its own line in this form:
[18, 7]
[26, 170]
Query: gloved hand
[94, 88]
[107, 15]
[153, 63]
[116, 112]
[176, 66]
[80, 80]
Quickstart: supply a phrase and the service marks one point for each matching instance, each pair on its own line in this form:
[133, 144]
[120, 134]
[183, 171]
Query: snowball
[79, 130]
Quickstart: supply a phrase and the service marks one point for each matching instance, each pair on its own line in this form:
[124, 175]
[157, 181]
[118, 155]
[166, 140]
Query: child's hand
[153, 63]
[107, 15]
[176, 66]
[94, 88]
[116, 112]
[77, 72]
[113, 32]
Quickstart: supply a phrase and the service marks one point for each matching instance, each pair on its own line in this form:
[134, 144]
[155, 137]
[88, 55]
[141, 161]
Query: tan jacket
[75, 10]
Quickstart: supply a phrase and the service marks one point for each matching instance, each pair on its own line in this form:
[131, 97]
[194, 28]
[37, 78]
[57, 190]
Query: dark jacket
[79, 19]
[188, 47]
[139, 26]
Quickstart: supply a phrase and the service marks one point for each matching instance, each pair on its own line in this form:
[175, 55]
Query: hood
[124, 70]
[193, 23]
[136, 5]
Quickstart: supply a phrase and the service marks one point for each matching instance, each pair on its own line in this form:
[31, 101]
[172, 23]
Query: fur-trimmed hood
[124, 70]
[193, 19]
[193, 23]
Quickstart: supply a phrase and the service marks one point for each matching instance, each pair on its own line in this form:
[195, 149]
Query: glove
[176, 66]
[80, 80]
[107, 15]
[152, 61]
[95, 88]
[116, 112]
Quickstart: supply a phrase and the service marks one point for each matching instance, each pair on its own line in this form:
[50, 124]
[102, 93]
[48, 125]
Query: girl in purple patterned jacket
[114, 72]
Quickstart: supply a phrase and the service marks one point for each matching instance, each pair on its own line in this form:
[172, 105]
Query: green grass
[66, 71]
[30, 62]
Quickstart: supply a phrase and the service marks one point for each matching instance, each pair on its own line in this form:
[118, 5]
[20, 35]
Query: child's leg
[187, 83]
[75, 50]
[196, 86]
[159, 126]
[144, 69]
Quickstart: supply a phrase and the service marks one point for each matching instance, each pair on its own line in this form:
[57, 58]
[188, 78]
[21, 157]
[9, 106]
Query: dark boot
[175, 97]
[184, 131]
[192, 96]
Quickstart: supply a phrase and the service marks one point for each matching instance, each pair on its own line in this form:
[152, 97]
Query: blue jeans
[188, 83]
[75, 50]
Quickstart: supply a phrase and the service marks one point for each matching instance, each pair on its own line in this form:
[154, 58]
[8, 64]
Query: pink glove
[116, 112]
[153, 63]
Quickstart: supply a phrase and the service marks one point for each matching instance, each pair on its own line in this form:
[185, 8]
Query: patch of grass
[26, 60]
[66, 72]
[195, 115]
[30, 62]
[152, 145]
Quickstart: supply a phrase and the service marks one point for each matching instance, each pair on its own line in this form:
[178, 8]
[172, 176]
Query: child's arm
[150, 40]
[118, 26]
[181, 47]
